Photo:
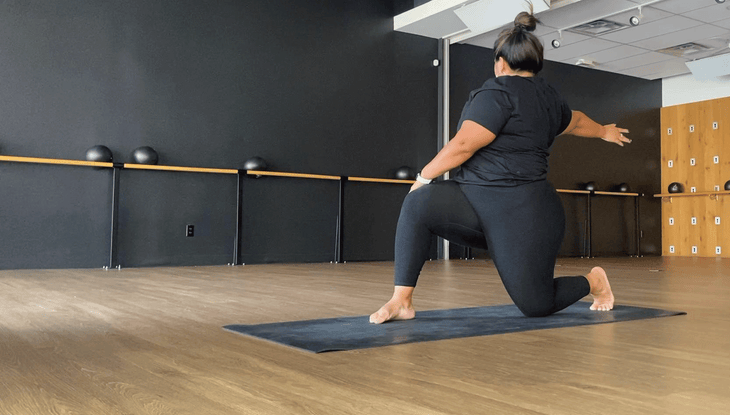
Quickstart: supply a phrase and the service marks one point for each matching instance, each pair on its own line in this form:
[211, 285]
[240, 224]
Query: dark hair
[521, 49]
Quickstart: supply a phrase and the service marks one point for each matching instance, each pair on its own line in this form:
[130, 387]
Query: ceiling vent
[598, 27]
[686, 50]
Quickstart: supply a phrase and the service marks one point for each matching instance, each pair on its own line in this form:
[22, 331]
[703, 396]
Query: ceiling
[700, 27]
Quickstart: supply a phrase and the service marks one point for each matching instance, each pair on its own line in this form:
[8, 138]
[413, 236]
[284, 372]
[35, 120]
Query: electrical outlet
[693, 190]
[717, 220]
[692, 162]
[671, 249]
[694, 249]
[716, 159]
[692, 128]
[670, 163]
[717, 187]
[669, 131]
[694, 221]
[671, 221]
[714, 125]
[718, 250]
[190, 231]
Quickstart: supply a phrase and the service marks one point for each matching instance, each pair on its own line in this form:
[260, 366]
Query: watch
[420, 179]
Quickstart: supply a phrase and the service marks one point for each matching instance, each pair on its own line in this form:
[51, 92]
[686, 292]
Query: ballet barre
[589, 221]
[38, 160]
[667, 197]
[338, 251]
[241, 174]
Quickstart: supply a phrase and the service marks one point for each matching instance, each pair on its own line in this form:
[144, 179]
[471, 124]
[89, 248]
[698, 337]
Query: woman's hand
[615, 135]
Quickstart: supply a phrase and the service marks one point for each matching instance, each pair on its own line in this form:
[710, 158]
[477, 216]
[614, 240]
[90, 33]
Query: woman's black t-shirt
[526, 114]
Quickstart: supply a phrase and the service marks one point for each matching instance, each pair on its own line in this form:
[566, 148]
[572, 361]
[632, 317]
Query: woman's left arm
[470, 138]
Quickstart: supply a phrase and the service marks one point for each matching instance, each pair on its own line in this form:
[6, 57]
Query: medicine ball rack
[117, 167]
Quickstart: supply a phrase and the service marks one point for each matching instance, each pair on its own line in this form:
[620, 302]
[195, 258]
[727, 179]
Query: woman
[500, 199]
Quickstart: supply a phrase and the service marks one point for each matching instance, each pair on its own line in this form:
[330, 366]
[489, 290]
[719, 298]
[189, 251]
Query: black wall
[608, 98]
[317, 87]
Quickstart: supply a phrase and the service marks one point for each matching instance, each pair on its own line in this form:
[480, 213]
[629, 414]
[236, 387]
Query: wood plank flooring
[149, 341]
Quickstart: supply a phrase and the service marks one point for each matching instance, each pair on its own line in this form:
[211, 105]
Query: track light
[556, 43]
[635, 20]
[719, 1]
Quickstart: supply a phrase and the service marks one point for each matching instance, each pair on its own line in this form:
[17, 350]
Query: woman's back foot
[600, 290]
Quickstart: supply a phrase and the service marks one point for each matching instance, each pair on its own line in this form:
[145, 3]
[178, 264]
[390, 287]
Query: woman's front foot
[400, 307]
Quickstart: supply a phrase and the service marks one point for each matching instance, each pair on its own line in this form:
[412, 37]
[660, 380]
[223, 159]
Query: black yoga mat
[348, 333]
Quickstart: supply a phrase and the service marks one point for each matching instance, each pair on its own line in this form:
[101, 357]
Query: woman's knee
[535, 310]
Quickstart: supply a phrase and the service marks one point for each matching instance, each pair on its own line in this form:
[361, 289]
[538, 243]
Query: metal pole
[340, 216]
[113, 254]
[638, 227]
[444, 131]
[239, 214]
[590, 225]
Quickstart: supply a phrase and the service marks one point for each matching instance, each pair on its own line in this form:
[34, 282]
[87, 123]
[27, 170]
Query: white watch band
[420, 179]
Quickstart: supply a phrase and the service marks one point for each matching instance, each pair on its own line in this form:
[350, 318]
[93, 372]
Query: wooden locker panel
[670, 232]
[691, 162]
[700, 133]
[684, 210]
[711, 141]
[669, 119]
[706, 233]
[721, 111]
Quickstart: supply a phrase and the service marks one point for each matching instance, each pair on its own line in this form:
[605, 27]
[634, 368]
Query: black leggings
[521, 226]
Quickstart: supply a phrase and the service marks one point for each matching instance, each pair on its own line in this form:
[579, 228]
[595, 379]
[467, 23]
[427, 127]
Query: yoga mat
[349, 333]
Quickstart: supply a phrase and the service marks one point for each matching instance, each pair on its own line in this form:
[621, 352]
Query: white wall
[684, 89]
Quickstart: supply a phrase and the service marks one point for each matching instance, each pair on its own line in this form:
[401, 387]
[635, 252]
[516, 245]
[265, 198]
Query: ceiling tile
[651, 29]
[577, 49]
[723, 23]
[658, 70]
[680, 37]
[613, 54]
[710, 14]
[683, 6]
[648, 58]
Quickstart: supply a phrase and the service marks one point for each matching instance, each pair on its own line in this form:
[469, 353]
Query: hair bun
[526, 21]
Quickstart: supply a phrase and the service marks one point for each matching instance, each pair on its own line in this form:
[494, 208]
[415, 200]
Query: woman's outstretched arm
[582, 126]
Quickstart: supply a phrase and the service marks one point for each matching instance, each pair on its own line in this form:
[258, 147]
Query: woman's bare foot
[600, 290]
[400, 307]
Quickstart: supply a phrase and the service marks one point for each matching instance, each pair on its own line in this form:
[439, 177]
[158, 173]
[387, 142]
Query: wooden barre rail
[373, 180]
[582, 192]
[284, 174]
[38, 160]
[723, 192]
[616, 194]
[597, 192]
[179, 168]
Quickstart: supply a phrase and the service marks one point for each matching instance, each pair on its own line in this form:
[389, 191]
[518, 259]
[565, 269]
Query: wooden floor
[149, 341]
